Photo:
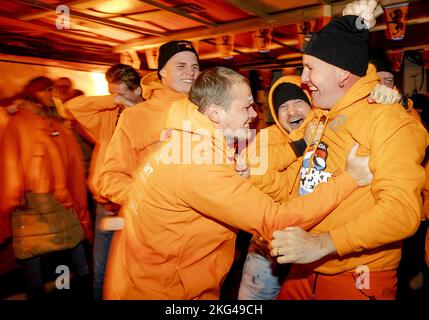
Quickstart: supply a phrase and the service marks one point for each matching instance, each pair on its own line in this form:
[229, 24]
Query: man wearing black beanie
[355, 251]
[291, 105]
[139, 129]
[138, 132]
[178, 65]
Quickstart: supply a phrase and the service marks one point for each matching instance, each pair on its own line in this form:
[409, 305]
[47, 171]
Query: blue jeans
[33, 266]
[258, 281]
[102, 240]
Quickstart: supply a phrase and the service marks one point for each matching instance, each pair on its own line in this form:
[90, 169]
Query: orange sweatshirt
[4, 119]
[279, 179]
[136, 136]
[97, 116]
[183, 212]
[368, 226]
[40, 155]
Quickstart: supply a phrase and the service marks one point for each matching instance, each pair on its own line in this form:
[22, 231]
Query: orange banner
[395, 58]
[303, 28]
[152, 58]
[396, 21]
[323, 21]
[225, 46]
[262, 39]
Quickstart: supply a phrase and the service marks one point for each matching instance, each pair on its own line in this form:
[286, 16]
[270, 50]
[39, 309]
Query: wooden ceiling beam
[180, 12]
[87, 17]
[292, 16]
[338, 7]
[410, 22]
[271, 20]
[244, 5]
[35, 27]
[82, 66]
[270, 65]
[43, 14]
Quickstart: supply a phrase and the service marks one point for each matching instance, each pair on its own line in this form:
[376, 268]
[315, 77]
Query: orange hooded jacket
[279, 179]
[137, 135]
[42, 156]
[183, 212]
[367, 227]
[97, 117]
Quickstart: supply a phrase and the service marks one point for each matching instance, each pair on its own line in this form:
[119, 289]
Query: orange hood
[149, 89]
[315, 113]
[360, 90]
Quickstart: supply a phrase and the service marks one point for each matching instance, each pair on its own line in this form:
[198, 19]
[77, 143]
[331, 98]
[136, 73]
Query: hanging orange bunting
[303, 28]
[225, 46]
[262, 39]
[395, 58]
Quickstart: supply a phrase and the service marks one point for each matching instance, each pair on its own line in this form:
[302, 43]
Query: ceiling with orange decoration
[264, 33]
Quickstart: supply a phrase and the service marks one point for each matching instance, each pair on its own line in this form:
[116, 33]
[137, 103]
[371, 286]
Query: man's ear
[213, 112]
[139, 91]
[343, 76]
[162, 72]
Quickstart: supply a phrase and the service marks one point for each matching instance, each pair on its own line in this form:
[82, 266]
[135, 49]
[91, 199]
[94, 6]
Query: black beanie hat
[169, 49]
[285, 92]
[343, 42]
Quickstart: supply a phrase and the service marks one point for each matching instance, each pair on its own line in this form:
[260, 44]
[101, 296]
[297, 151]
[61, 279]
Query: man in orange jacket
[139, 130]
[295, 121]
[353, 253]
[289, 105]
[187, 199]
[42, 186]
[97, 118]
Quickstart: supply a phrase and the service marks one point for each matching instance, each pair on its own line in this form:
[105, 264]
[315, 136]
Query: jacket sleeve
[219, 193]
[76, 185]
[397, 149]
[88, 112]
[11, 169]
[116, 172]
[263, 156]
[277, 184]
[11, 178]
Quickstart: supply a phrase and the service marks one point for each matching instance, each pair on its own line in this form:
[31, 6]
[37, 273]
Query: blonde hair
[214, 86]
